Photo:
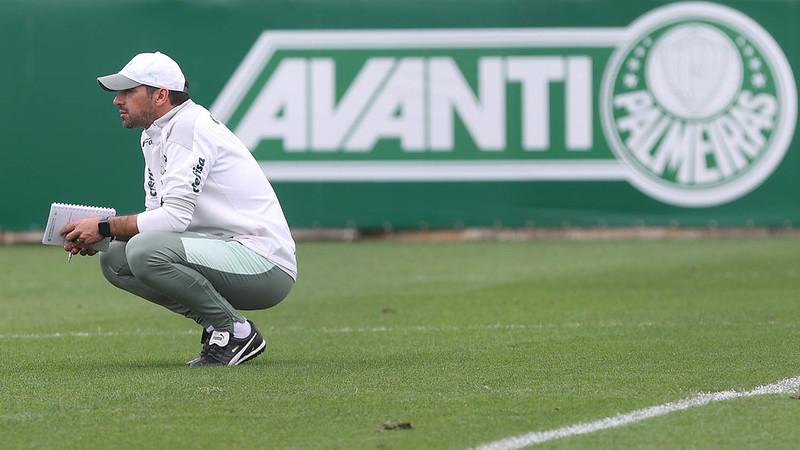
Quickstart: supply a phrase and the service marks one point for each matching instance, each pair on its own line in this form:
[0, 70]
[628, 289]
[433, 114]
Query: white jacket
[200, 177]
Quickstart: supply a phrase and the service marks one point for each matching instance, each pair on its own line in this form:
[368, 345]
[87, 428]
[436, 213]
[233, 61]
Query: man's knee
[113, 261]
[137, 249]
[109, 272]
[146, 252]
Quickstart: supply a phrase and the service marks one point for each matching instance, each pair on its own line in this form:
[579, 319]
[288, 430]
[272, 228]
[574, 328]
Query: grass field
[468, 343]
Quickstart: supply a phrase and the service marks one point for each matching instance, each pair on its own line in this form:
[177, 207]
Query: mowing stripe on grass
[781, 387]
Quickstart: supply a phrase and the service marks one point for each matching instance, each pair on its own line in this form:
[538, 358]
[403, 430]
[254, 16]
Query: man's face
[136, 107]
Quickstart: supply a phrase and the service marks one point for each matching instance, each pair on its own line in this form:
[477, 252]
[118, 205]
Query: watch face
[104, 228]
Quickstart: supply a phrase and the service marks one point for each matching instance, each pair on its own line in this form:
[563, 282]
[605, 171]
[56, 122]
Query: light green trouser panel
[203, 277]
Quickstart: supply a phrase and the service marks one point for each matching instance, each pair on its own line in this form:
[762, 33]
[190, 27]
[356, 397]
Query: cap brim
[116, 82]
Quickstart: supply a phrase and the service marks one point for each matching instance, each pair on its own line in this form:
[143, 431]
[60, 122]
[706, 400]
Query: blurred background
[438, 114]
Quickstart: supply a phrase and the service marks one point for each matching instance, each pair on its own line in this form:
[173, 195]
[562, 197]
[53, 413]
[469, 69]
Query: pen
[69, 257]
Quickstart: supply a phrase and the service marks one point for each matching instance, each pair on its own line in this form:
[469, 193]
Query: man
[213, 239]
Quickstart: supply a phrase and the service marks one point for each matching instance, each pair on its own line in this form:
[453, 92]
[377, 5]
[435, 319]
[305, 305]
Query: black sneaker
[226, 350]
[206, 336]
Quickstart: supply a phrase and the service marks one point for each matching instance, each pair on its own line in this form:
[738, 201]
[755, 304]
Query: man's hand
[83, 250]
[80, 236]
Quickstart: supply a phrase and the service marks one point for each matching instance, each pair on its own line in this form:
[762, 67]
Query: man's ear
[162, 96]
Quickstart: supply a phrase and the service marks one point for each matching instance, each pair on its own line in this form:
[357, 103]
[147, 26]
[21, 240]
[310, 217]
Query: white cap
[153, 69]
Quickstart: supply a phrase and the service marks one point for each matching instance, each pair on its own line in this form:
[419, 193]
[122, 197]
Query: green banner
[538, 114]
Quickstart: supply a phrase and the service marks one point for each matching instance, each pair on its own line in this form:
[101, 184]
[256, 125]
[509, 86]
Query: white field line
[95, 334]
[341, 330]
[781, 387]
[348, 330]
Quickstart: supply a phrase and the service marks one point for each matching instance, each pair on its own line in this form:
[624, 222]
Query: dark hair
[175, 97]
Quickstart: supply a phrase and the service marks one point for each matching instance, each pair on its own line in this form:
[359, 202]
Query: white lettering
[535, 74]
[279, 111]
[674, 151]
[703, 148]
[416, 101]
[484, 117]
[330, 123]
[728, 136]
[396, 112]
[694, 153]
[644, 124]
[755, 115]
[578, 112]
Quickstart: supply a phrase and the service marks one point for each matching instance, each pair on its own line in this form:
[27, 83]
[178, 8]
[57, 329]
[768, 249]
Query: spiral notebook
[64, 213]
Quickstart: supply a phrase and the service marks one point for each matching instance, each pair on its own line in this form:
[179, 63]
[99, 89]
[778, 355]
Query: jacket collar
[156, 128]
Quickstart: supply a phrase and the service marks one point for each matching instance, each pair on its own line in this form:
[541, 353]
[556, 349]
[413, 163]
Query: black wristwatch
[104, 228]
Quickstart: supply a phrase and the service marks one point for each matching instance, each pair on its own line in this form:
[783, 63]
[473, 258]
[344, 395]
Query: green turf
[468, 342]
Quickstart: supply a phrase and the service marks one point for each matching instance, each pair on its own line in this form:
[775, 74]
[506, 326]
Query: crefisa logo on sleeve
[699, 102]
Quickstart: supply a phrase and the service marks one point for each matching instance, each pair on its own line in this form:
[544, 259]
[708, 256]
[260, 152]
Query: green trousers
[203, 277]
